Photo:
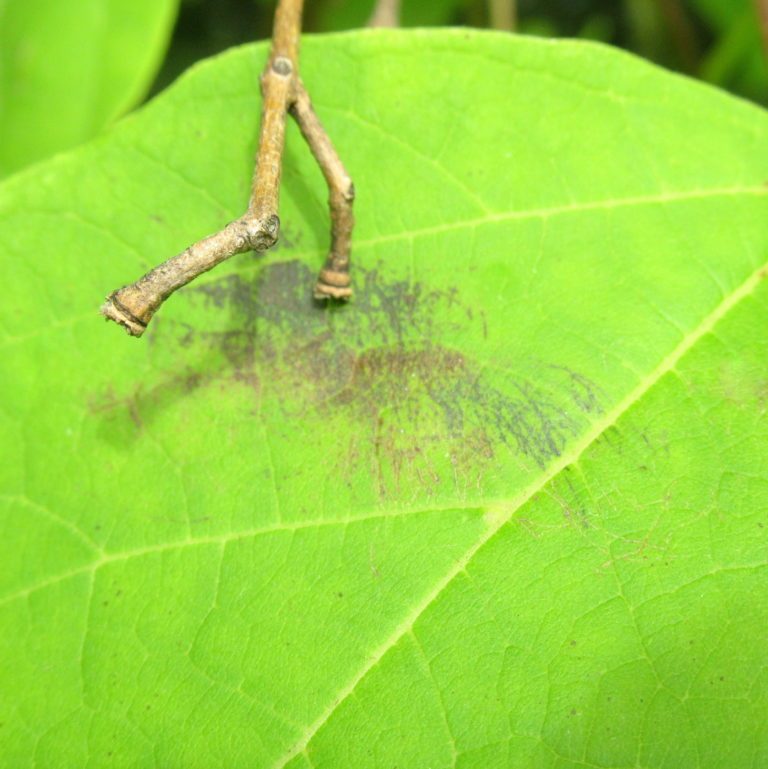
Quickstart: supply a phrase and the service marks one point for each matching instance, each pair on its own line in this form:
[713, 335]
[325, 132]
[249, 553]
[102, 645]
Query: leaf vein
[215, 539]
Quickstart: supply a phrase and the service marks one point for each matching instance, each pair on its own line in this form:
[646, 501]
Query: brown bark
[133, 306]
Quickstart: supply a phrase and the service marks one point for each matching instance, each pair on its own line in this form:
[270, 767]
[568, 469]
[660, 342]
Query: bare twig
[133, 306]
[386, 13]
[334, 277]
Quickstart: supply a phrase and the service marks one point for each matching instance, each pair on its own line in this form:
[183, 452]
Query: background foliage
[718, 41]
[68, 69]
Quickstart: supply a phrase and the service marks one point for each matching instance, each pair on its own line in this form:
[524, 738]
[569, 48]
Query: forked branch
[258, 228]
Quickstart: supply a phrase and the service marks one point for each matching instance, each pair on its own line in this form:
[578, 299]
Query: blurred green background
[69, 70]
[719, 41]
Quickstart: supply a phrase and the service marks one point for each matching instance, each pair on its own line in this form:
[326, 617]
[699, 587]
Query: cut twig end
[323, 293]
[113, 310]
[332, 284]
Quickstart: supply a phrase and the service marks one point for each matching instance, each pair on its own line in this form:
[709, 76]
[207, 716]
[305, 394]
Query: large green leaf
[68, 68]
[506, 508]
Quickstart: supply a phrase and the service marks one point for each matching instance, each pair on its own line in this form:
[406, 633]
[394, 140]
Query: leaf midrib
[506, 512]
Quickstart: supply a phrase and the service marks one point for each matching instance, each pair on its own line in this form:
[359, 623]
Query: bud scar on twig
[257, 229]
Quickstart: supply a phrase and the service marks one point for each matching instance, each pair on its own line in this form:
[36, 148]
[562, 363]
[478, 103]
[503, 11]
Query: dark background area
[719, 41]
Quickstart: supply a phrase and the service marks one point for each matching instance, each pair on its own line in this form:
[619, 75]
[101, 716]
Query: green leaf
[69, 68]
[506, 508]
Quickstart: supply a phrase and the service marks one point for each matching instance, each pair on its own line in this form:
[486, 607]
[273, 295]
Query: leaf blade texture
[505, 508]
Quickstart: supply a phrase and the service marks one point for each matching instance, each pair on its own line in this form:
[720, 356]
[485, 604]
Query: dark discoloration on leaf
[380, 376]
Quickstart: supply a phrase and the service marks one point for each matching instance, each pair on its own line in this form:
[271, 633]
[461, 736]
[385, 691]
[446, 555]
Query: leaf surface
[506, 508]
[68, 68]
